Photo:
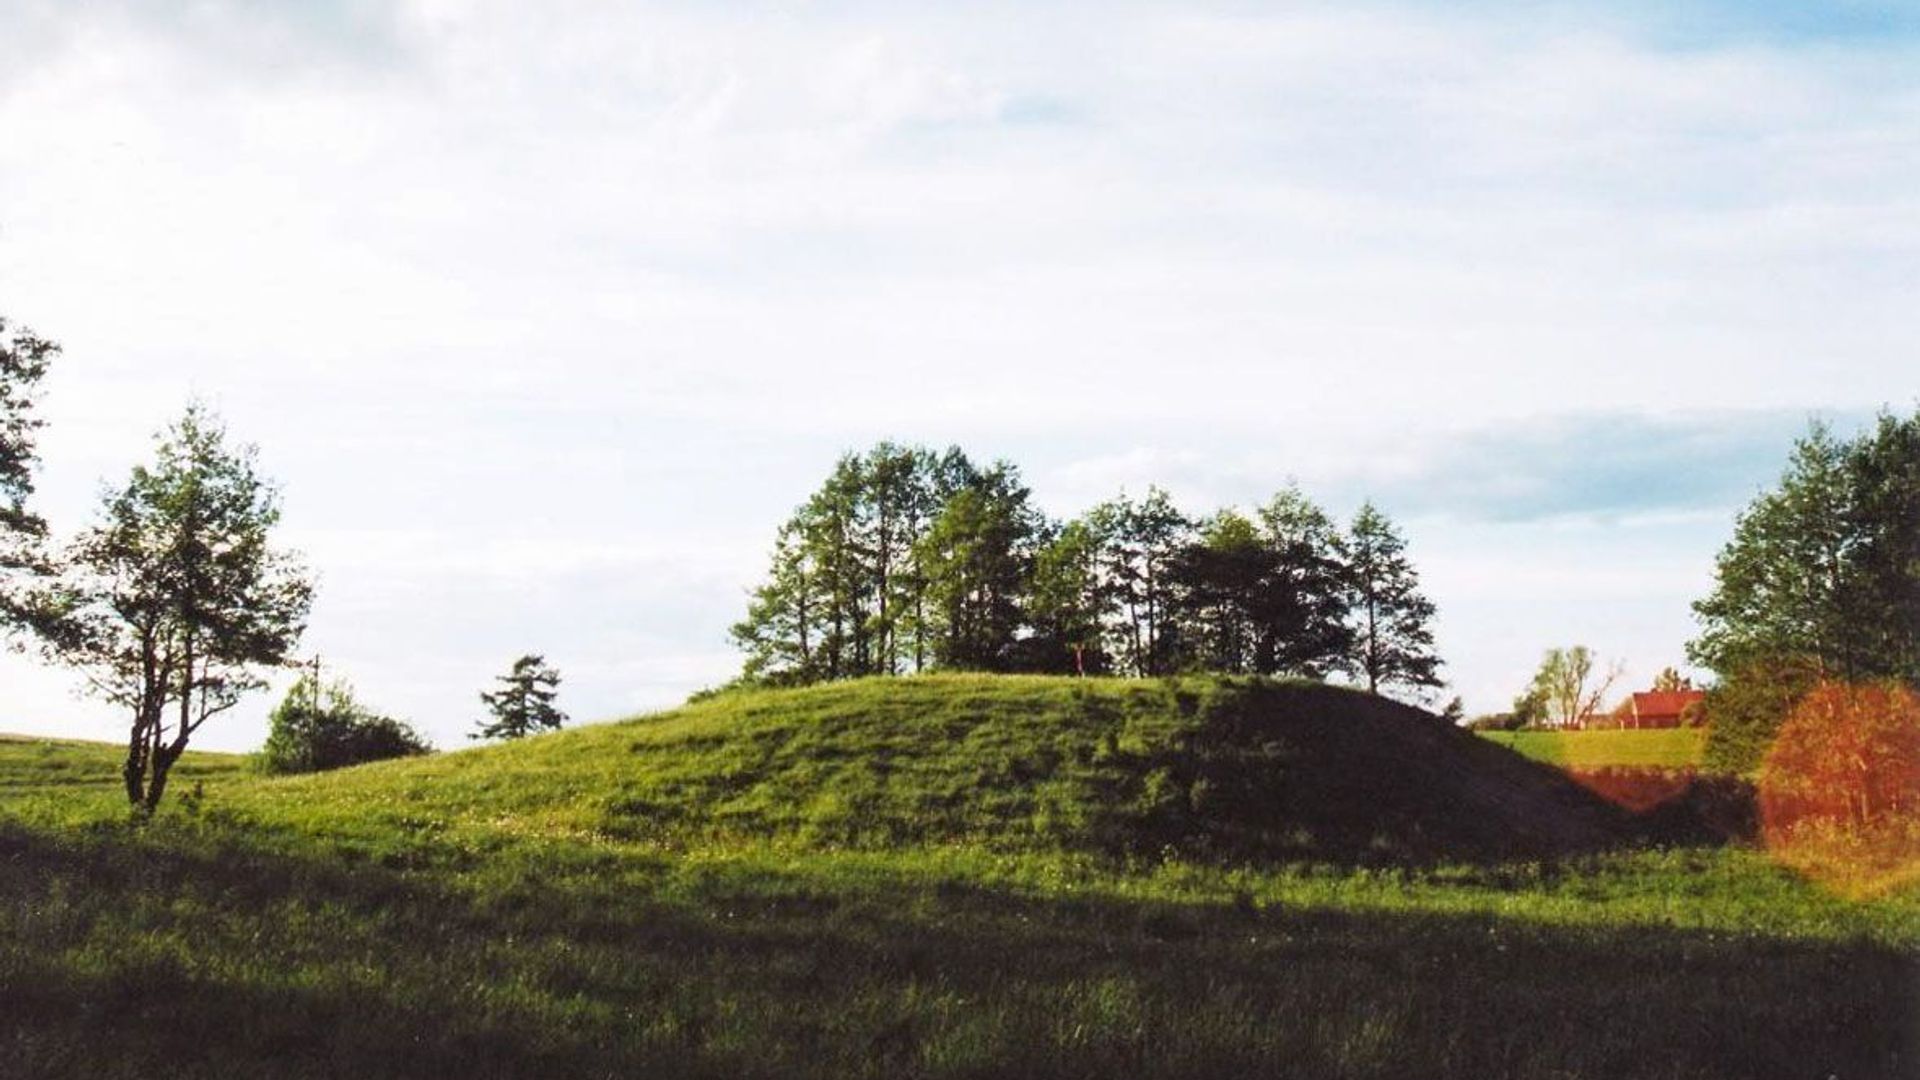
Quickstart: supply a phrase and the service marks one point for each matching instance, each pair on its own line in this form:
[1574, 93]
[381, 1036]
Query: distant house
[1659, 708]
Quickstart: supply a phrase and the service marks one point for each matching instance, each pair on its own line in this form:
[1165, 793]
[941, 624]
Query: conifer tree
[1302, 610]
[524, 703]
[1392, 620]
[1142, 540]
[1220, 577]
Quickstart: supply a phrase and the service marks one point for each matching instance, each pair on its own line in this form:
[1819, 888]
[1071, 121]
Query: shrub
[1849, 755]
[1840, 787]
[313, 730]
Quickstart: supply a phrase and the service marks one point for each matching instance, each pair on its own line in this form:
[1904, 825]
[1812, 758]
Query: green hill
[931, 877]
[1242, 769]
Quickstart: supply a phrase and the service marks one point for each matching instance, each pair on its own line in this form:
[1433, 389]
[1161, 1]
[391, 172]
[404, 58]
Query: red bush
[1840, 785]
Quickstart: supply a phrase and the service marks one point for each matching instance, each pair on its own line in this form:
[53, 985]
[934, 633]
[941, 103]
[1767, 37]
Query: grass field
[1669, 748]
[69, 767]
[926, 878]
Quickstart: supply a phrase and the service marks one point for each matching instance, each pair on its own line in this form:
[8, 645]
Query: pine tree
[1302, 609]
[1219, 578]
[1392, 620]
[524, 704]
[1142, 540]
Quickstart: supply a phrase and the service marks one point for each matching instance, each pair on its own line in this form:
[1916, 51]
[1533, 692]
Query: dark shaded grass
[196, 950]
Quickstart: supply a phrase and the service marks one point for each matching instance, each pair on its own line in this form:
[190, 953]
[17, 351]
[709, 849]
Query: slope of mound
[1247, 769]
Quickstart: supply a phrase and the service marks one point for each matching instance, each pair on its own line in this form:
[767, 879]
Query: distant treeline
[908, 560]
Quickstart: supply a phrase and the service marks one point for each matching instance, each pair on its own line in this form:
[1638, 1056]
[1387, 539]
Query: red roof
[1661, 703]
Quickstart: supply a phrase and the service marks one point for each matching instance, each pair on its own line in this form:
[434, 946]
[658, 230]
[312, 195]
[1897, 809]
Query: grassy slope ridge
[1246, 769]
[29, 763]
[880, 880]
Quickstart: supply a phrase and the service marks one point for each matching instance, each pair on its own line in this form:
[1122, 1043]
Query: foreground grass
[1669, 748]
[476, 915]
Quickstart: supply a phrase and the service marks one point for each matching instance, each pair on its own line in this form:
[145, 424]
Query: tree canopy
[523, 705]
[1821, 580]
[1825, 568]
[24, 359]
[175, 600]
[908, 560]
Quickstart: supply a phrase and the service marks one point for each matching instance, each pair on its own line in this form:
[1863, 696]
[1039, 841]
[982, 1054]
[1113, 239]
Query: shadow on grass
[199, 955]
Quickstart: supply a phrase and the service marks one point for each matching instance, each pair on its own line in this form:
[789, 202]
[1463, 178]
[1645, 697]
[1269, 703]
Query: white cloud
[526, 299]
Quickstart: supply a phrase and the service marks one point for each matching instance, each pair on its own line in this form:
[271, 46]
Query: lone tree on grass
[524, 703]
[174, 601]
[1568, 686]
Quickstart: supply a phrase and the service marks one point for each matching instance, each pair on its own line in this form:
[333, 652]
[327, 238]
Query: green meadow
[1666, 748]
[945, 877]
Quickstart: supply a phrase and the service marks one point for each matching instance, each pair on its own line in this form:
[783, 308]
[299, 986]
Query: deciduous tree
[1066, 605]
[176, 600]
[976, 558]
[1566, 685]
[1821, 580]
[24, 359]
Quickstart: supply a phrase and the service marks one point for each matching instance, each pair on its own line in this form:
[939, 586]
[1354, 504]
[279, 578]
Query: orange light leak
[1840, 788]
[1636, 788]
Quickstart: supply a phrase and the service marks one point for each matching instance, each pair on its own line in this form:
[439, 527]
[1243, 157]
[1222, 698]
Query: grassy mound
[707, 893]
[1242, 769]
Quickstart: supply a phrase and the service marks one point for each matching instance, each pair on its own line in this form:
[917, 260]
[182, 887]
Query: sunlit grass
[1671, 748]
[736, 890]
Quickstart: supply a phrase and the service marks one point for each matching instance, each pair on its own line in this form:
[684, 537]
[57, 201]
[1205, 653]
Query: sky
[545, 316]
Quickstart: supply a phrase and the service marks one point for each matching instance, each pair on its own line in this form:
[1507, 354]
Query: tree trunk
[134, 770]
[162, 765]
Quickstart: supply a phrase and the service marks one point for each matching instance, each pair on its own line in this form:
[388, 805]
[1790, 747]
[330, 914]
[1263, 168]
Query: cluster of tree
[1569, 690]
[316, 728]
[175, 602]
[907, 560]
[1821, 580]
